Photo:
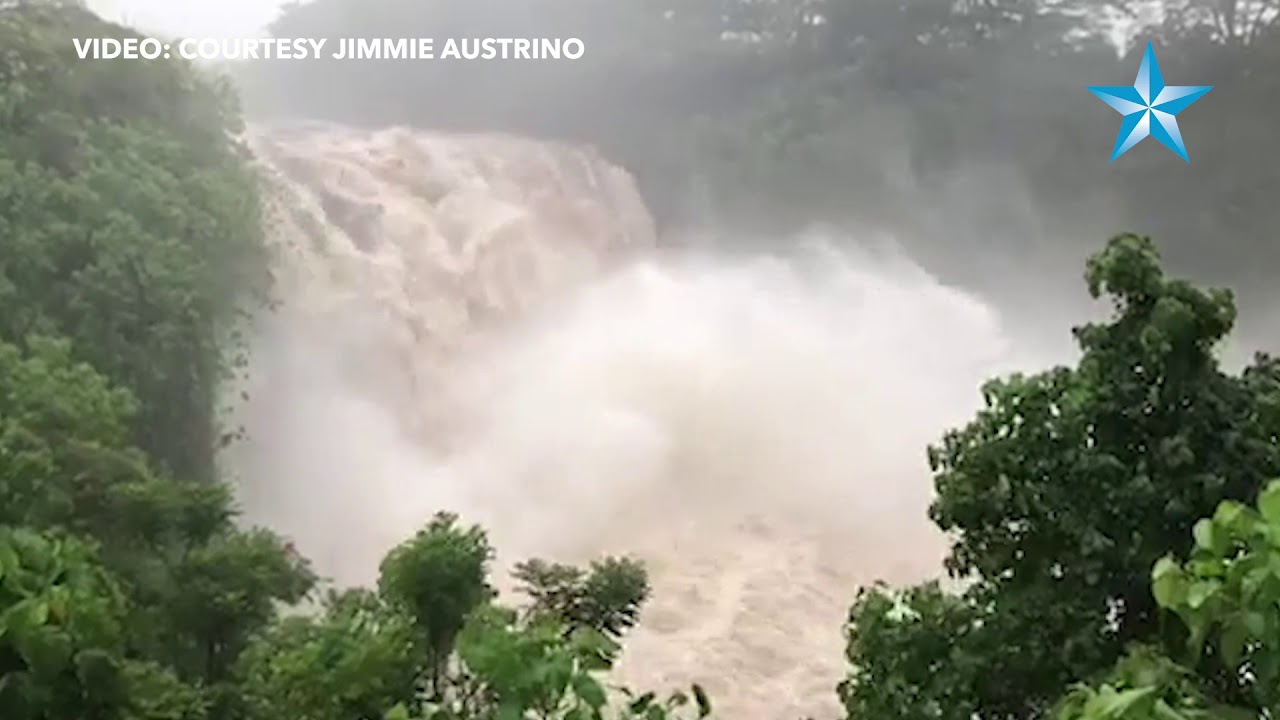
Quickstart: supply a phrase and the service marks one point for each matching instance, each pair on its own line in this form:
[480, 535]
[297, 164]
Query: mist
[522, 350]
[732, 294]
[811, 254]
[804, 389]
[754, 431]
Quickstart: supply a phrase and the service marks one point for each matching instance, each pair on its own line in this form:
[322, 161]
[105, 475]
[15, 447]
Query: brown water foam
[479, 324]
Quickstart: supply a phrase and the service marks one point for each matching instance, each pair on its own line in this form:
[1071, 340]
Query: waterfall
[484, 324]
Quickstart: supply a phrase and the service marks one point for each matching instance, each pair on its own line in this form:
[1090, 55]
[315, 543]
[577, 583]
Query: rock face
[479, 324]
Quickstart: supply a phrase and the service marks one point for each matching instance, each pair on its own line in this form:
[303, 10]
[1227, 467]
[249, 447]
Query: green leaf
[1168, 584]
[1199, 628]
[1256, 624]
[1203, 532]
[1162, 711]
[1200, 592]
[46, 651]
[1269, 502]
[9, 561]
[1115, 705]
[1228, 514]
[1231, 643]
[586, 687]
[38, 612]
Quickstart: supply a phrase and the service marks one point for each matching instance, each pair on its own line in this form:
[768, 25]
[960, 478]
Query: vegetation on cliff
[965, 127]
[131, 226]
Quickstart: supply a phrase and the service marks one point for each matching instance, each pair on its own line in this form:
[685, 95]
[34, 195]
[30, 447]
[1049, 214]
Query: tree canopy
[1060, 496]
[933, 119]
[131, 224]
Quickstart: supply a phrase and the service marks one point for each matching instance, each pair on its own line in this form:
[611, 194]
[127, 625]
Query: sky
[191, 18]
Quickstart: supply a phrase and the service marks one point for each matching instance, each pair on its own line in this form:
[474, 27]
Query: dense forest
[963, 127]
[1115, 530]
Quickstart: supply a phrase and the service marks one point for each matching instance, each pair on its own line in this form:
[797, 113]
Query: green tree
[438, 577]
[432, 643]
[198, 586]
[227, 590]
[607, 597]
[768, 117]
[130, 243]
[912, 655]
[354, 660]
[55, 414]
[1064, 489]
[130, 222]
[539, 668]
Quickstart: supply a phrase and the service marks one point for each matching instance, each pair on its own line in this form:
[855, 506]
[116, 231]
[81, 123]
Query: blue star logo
[1149, 108]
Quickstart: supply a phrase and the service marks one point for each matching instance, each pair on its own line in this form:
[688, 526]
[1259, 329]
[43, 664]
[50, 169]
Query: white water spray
[755, 430]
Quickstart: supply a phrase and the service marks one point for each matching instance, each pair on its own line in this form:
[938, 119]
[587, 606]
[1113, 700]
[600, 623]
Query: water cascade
[484, 324]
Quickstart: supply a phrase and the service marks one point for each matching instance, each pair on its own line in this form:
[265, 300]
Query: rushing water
[483, 324]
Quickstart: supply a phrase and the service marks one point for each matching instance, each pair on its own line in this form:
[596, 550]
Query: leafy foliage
[542, 668]
[196, 586]
[129, 221]
[911, 656]
[61, 629]
[438, 577]
[130, 240]
[1060, 495]
[1227, 594]
[1144, 684]
[607, 598]
[353, 661]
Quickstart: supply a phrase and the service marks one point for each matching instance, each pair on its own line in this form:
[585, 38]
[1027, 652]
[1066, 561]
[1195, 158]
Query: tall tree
[1060, 495]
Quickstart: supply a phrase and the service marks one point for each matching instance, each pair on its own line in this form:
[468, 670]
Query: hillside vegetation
[1114, 520]
[965, 127]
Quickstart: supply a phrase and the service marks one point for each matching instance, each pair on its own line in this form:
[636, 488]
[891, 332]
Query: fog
[521, 351]
[723, 336]
[192, 18]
